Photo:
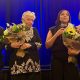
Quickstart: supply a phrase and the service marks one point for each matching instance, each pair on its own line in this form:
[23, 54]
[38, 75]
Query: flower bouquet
[71, 39]
[13, 33]
[16, 33]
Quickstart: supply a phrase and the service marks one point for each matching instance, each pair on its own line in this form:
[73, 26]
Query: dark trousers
[62, 70]
[27, 76]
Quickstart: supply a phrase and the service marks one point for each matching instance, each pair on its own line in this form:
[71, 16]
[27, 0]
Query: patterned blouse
[30, 62]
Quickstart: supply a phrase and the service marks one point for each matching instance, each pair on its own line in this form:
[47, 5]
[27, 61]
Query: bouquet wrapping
[71, 39]
[14, 33]
[17, 33]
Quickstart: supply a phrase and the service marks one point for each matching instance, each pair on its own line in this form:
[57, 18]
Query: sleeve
[37, 41]
[53, 29]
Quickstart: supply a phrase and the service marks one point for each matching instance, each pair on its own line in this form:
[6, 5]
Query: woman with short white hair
[29, 16]
[25, 65]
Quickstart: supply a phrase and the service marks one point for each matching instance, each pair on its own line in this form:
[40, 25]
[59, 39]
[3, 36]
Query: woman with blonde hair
[24, 60]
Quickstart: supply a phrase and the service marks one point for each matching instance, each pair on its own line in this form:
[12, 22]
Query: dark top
[58, 49]
[1, 47]
[30, 62]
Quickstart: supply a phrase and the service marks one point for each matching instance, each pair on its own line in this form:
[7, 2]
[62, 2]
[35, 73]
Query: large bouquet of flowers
[14, 33]
[71, 39]
[18, 33]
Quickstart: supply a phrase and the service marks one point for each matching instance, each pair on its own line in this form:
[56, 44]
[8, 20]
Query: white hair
[28, 13]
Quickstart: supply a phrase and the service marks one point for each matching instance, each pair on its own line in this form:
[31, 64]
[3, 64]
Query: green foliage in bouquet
[15, 28]
[11, 33]
[15, 32]
[67, 35]
[6, 32]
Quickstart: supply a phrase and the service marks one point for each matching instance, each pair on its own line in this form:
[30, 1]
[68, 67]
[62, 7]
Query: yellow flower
[70, 30]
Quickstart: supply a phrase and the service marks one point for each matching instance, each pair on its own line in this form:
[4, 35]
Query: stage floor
[45, 74]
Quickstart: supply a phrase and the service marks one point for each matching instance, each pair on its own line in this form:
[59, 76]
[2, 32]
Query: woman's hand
[15, 44]
[72, 51]
[25, 46]
[59, 32]
[52, 38]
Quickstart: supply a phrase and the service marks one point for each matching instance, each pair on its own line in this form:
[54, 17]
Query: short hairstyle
[28, 13]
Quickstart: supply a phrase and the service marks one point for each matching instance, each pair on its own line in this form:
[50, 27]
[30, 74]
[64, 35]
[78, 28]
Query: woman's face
[64, 17]
[28, 20]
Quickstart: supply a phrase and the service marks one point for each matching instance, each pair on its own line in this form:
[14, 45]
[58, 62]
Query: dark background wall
[46, 13]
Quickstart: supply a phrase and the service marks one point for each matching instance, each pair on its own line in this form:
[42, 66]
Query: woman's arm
[15, 44]
[51, 38]
[37, 39]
